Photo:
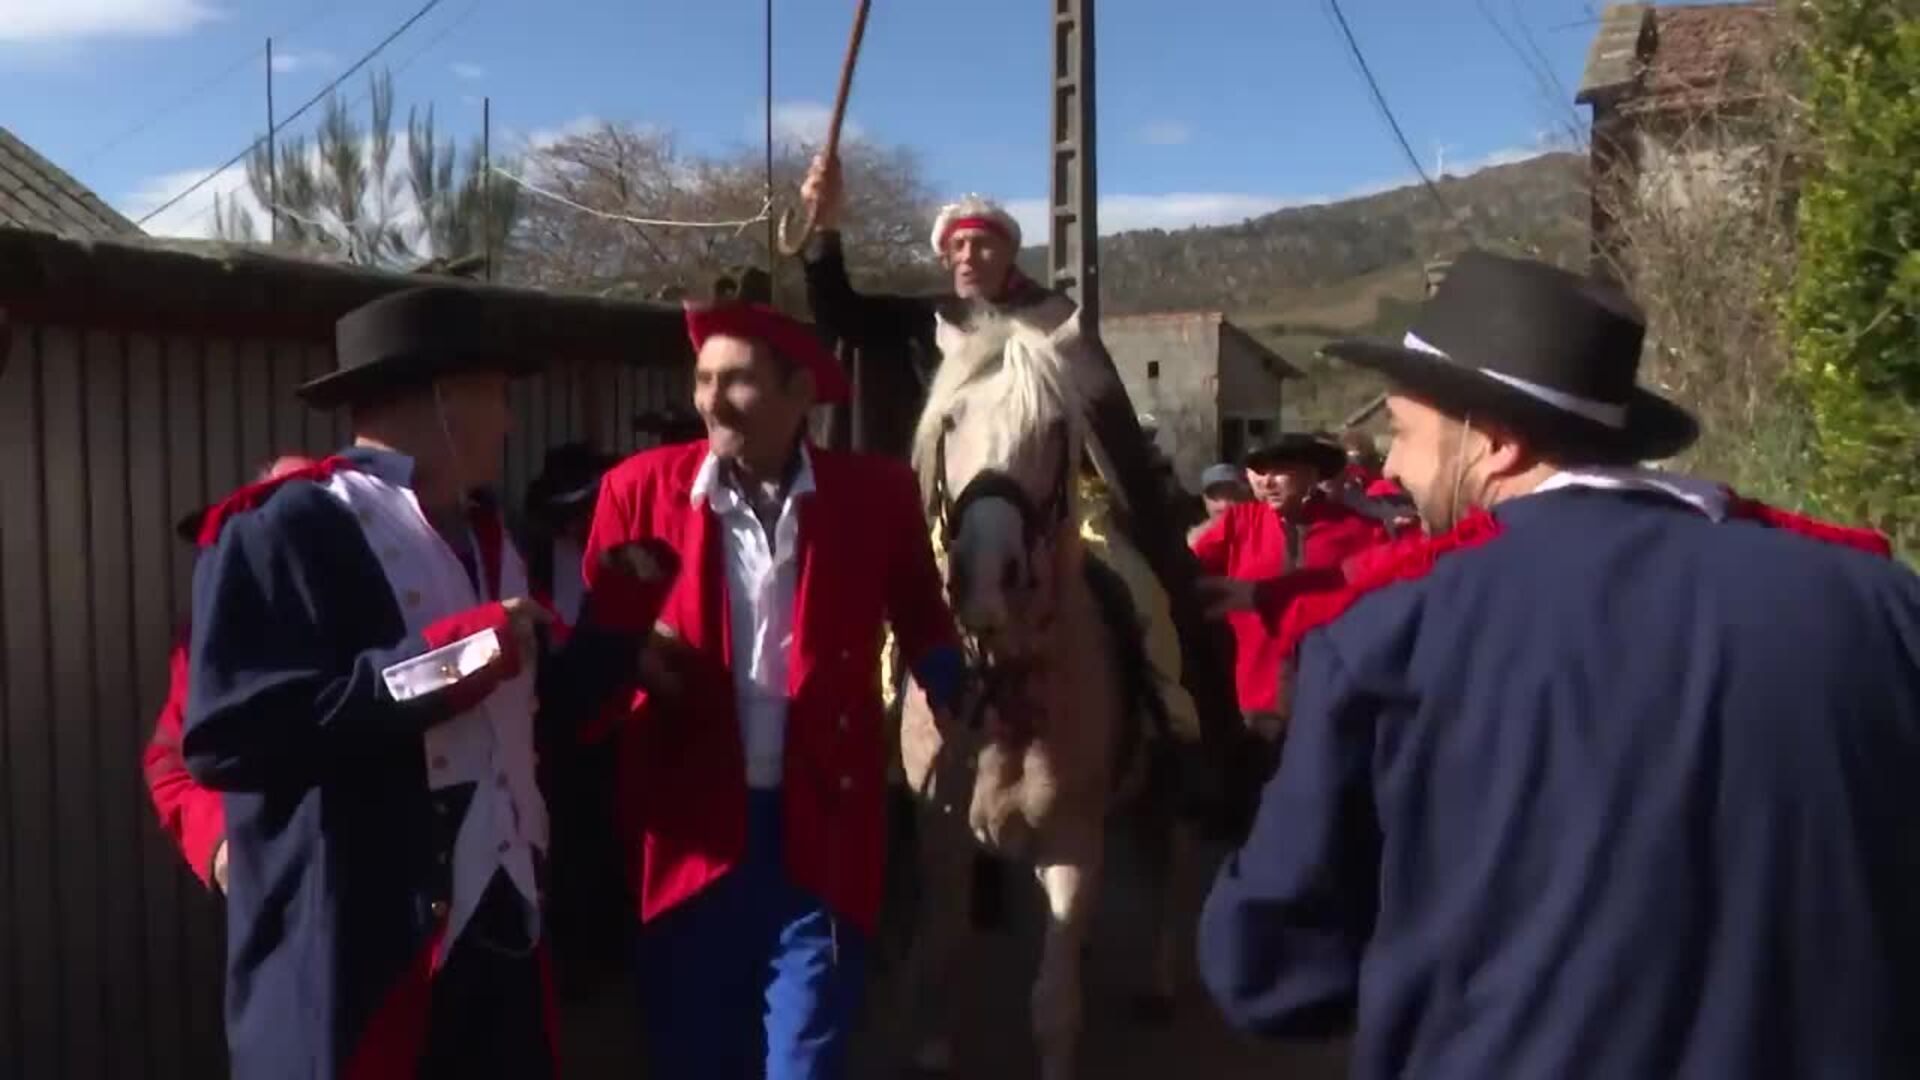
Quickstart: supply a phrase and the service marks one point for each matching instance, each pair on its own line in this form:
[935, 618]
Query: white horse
[1032, 769]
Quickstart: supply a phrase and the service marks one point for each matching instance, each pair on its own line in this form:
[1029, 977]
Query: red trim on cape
[1867, 540]
[253, 495]
[1377, 567]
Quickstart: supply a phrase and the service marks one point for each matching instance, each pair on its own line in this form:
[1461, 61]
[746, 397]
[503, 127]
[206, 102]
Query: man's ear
[1506, 454]
[801, 383]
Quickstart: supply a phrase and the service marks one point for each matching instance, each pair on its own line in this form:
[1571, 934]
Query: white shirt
[762, 583]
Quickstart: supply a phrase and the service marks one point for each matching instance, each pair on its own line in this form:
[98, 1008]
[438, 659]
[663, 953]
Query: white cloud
[541, 138]
[191, 217]
[284, 62]
[469, 71]
[1165, 133]
[803, 122]
[1126, 212]
[52, 21]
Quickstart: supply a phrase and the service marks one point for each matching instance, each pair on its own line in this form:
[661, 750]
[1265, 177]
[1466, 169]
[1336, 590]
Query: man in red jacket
[1290, 525]
[192, 815]
[752, 776]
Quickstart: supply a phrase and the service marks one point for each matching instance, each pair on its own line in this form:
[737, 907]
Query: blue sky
[1210, 110]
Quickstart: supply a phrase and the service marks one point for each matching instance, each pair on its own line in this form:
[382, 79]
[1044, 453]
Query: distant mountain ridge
[1302, 275]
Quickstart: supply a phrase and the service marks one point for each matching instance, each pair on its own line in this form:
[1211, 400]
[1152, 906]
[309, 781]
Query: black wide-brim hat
[406, 340]
[569, 480]
[1549, 353]
[1323, 455]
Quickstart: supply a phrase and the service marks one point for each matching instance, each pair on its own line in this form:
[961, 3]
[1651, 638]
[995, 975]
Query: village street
[603, 1044]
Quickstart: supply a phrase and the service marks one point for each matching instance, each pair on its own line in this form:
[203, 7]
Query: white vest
[489, 746]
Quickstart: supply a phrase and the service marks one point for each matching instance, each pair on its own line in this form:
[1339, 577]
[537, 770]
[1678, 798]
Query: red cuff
[620, 601]
[203, 827]
[473, 689]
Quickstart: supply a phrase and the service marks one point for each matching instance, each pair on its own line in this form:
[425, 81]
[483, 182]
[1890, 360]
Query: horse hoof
[1151, 1010]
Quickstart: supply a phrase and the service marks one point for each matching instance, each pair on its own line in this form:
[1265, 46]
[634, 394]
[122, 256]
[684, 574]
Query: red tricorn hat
[789, 337]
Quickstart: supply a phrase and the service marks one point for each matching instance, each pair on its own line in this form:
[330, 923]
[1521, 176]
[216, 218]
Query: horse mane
[1017, 380]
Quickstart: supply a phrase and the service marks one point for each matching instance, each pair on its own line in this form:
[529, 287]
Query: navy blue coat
[338, 850]
[1620, 792]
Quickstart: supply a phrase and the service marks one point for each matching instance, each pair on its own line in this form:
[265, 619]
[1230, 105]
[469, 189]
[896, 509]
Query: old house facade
[1210, 388]
[1678, 128]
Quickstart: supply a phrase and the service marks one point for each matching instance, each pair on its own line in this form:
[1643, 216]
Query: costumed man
[1613, 776]
[752, 767]
[979, 241]
[192, 815]
[1291, 525]
[363, 690]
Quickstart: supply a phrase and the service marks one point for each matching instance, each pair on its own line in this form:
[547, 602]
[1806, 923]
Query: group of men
[1605, 773]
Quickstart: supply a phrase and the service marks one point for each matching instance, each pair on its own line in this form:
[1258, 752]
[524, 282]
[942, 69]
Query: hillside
[1298, 277]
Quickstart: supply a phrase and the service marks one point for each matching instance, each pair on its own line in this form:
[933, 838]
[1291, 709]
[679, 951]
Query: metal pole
[771, 248]
[487, 211]
[1074, 227]
[273, 159]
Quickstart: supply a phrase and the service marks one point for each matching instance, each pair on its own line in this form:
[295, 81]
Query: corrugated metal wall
[110, 952]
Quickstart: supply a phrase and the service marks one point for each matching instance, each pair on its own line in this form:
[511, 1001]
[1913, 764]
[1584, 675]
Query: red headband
[987, 224]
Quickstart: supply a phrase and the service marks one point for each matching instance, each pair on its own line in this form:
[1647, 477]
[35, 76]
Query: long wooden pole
[789, 244]
[273, 159]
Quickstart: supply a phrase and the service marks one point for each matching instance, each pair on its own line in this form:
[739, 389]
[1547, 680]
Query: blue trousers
[752, 973]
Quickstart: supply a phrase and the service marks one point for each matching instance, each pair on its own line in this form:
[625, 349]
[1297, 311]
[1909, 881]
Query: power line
[1380, 99]
[296, 114]
[360, 97]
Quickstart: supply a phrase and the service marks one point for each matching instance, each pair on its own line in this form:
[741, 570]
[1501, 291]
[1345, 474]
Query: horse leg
[1071, 887]
[1160, 844]
[940, 929]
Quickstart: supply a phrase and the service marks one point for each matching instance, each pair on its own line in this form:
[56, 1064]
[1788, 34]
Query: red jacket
[194, 816]
[865, 560]
[1250, 542]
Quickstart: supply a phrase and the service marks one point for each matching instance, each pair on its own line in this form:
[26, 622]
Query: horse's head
[998, 451]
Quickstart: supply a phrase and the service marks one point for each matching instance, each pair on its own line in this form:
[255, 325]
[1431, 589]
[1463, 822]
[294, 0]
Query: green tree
[339, 192]
[1854, 310]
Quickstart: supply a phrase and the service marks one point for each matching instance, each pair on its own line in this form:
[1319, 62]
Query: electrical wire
[296, 114]
[1386, 111]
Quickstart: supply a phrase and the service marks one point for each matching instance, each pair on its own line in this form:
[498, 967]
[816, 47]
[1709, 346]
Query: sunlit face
[478, 418]
[1282, 485]
[981, 260]
[752, 404]
[1429, 458]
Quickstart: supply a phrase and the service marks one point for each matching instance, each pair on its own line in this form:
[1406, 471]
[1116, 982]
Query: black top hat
[1297, 447]
[408, 339]
[569, 480]
[1551, 353]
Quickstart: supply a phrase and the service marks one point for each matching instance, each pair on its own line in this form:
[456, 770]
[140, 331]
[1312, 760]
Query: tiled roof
[1653, 59]
[36, 194]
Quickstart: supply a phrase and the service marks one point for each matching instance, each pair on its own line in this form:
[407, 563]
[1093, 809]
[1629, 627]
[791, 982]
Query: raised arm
[1283, 930]
[884, 324]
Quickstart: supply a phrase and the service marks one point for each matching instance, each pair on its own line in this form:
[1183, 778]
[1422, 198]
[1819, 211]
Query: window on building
[1153, 369]
[1256, 429]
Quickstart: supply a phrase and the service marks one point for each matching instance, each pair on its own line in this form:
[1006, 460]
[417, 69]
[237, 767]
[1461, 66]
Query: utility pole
[1073, 242]
[487, 210]
[273, 160]
[772, 247]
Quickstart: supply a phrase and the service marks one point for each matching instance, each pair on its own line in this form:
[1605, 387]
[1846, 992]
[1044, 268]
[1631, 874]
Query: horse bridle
[1037, 522]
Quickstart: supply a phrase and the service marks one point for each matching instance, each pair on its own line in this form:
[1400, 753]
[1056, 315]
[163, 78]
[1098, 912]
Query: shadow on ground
[602, 1041]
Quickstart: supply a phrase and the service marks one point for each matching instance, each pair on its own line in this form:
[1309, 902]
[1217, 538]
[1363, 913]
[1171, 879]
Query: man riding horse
[979, 241]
